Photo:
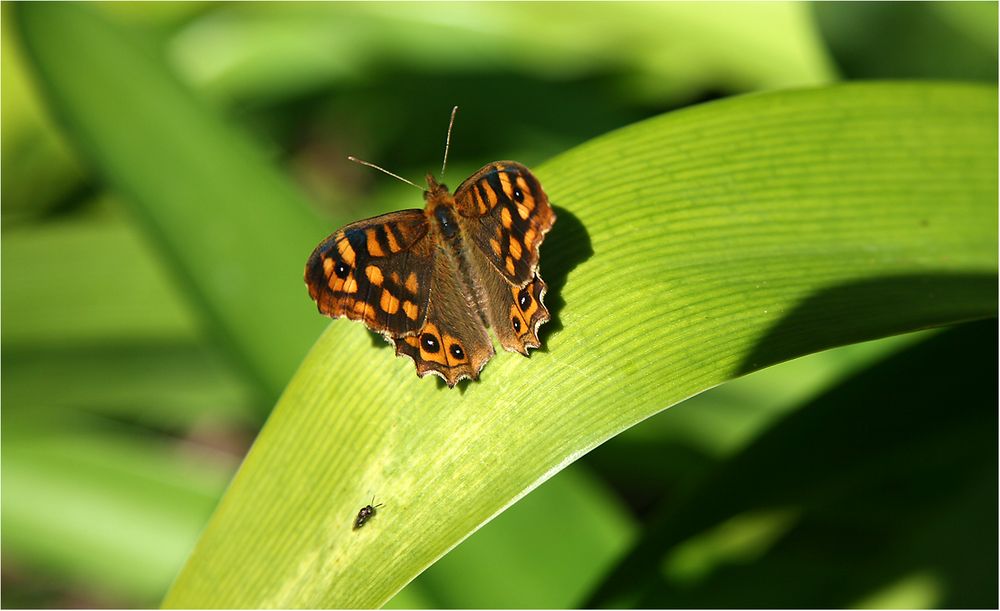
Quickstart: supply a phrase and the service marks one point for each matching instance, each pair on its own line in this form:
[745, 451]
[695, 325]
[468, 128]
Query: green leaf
[553, 563]
[235, 230]
[39, 164]
[677, 448]
[131, 346]
[884, 487]
[110, 257]
[939, 40]
[690, 249]
[102, 507]
[261, 52]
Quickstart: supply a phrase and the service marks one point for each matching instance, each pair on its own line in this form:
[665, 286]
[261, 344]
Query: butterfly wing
[453, 342]
[514, 312]
[377, 271]
[508, 215]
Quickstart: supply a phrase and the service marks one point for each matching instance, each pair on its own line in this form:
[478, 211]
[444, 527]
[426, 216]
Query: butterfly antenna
[372, 165]
[447, 141]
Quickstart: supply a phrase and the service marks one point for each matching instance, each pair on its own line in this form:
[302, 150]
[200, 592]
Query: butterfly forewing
[512, 215]
[377, 271]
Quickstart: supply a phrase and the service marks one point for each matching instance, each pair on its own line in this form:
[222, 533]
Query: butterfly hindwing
[377, 271]
[515, 313]
[453, 343]
[507, 215]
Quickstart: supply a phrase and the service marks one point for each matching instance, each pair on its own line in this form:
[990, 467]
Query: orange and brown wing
[507, 215]
[377, 271]
[453, 342]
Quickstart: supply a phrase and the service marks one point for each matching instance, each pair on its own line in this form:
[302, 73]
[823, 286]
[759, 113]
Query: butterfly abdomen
[453, 246]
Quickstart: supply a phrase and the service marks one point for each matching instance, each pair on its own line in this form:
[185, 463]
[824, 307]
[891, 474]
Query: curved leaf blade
[685, 245]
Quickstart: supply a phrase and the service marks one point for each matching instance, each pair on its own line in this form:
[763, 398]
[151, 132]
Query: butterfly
[432, 281]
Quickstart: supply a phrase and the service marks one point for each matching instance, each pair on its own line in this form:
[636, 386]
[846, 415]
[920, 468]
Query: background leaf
[105, 475]
[269, 51]
[197, 163]
[888, 463]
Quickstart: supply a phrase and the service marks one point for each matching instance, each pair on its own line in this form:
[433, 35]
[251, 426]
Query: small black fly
[365, 514]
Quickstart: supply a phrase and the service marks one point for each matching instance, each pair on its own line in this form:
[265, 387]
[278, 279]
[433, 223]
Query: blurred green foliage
[128, 401]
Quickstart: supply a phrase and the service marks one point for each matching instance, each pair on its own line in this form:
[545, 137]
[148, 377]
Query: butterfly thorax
[440, 210]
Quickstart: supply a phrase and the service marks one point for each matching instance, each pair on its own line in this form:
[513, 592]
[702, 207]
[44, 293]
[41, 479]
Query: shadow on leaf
[886, 476]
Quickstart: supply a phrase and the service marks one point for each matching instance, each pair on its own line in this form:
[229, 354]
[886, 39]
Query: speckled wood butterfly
[431, 281]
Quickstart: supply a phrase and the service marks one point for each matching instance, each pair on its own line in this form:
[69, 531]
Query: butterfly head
[434, 188]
